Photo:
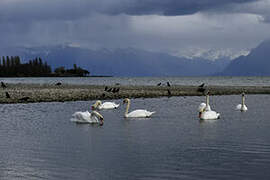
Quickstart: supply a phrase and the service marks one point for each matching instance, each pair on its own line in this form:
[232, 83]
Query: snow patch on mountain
[211, 54]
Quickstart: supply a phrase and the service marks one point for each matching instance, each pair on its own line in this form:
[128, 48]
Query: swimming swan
[85, 117]
[140, 113]
[242, 107]
[205, 112]
[106, 105]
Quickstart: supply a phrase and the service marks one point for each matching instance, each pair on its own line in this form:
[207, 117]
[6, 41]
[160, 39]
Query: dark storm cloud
[169, 7]
[28, 10]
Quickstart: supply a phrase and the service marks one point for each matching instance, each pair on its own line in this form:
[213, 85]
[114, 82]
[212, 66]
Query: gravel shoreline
[31, 93]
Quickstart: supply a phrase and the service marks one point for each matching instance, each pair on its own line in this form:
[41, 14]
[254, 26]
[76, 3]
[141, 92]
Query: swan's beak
[101, 122]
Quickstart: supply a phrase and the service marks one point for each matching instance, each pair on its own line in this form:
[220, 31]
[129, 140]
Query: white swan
[106, 105]
[205, 112]
[242, 107]
[140, 113]
[85, 117]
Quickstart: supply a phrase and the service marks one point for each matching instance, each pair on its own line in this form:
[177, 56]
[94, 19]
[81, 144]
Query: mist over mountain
[256, 63]
[122, 62]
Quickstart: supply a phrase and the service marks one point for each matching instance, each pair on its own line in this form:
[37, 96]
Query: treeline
[76, 71]
[11, 66]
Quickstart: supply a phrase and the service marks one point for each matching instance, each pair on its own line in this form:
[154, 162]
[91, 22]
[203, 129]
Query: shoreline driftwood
[31, 93]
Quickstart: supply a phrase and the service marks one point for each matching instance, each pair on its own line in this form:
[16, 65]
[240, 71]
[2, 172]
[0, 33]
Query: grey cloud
[30, 10]
[169, 7]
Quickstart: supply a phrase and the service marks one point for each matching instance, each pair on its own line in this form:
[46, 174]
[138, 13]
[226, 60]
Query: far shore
[31, 93]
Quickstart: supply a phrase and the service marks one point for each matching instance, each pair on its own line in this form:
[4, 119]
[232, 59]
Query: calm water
[38, 141]
[229, 81]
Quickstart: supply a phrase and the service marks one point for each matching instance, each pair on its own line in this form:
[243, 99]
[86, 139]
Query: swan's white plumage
[139, 113]
[239, 107]
[205, 112]
[209, 115]
[106, 105]
[86, 117]
[242, 106]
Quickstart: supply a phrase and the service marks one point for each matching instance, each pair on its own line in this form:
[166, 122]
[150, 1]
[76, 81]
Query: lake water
[38, 141]
[229, 81]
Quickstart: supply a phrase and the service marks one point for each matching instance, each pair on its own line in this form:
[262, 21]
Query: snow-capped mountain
[256, 63]
[211, 54]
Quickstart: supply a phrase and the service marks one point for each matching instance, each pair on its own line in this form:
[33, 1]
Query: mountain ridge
[123, 62]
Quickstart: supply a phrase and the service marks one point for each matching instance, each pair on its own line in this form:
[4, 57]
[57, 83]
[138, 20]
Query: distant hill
[124, 62]
[257, 63]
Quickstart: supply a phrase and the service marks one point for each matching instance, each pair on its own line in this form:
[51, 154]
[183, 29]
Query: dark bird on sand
[115, 90]
[106, 88]
[169, 92]
[58, 84]
[159, 84]
[168, 84]
[24, 98]
[3, 84]
[201, 89]
[202, 85]
[7, 95]
[109, 90]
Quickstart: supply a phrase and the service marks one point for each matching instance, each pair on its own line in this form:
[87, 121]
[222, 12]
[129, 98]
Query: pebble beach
[32, 93]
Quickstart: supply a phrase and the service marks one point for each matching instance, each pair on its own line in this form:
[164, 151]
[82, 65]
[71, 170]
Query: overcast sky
[157, 25]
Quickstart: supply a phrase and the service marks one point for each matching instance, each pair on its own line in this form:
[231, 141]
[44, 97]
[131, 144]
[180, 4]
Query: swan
[242, 107]
[205, 112]
[140, 113]
[86, 117]
[106, 105]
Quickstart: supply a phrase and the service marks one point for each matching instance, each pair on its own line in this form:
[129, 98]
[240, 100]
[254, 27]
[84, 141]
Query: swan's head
[201, 107]
[99, 116]
[243, 94]
[95, 106]
[126, 100]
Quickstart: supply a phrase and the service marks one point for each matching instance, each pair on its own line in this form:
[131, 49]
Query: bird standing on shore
[201, 88]
[3, 85]
[169, 92]
[115, 90]
[7, 95]
[168, 84]
[202, 85]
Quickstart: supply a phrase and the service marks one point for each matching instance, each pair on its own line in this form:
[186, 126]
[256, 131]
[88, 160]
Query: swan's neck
[243, 101]
[207, 100]
[127, 108]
